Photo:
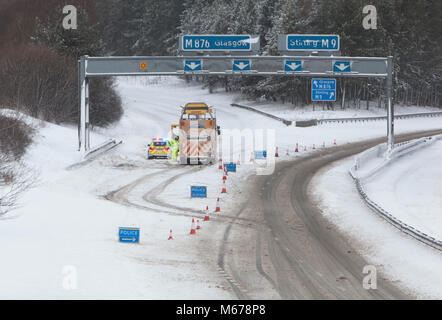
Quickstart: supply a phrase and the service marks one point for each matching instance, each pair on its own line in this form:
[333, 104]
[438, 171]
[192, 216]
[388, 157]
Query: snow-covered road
[409, 189]
[66, 227]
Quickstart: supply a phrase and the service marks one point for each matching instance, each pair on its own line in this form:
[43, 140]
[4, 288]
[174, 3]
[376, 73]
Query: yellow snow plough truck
[198, 134]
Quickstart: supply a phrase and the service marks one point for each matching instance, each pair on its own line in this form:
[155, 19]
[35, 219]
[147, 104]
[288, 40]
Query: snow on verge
[411, 264]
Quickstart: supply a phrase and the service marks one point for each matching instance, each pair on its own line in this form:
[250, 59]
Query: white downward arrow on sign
[192, 65]
[342, 66]
[241, 65]
[293, 65]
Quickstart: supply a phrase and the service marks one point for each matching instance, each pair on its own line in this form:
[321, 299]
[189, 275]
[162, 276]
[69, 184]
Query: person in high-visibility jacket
[175, 148]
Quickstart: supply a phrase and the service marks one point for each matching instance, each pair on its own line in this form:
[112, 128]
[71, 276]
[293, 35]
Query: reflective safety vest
[174, 145]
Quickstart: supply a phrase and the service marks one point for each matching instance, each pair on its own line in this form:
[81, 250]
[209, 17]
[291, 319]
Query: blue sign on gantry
[192, 65]
[323, 89]
[241, 65]
[292, 65]
[216, 43]
[341, 66]
[312, 42]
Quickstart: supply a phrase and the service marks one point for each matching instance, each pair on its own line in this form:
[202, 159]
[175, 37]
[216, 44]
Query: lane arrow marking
[193, 65]
[241, 65]
[293, 65]
[342, 66]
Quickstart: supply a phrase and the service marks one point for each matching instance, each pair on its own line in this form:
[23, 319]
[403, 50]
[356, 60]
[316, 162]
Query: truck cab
[198, 133]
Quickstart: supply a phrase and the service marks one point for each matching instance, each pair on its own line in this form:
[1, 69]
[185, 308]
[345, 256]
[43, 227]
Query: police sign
[260, 154]
[129, 235]
[198, 191]
[230, 167]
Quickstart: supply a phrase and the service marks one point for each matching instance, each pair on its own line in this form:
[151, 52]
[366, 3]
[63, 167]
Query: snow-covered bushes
[43, 84]
[15, 136]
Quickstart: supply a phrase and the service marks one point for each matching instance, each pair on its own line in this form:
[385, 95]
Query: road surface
[297, 254]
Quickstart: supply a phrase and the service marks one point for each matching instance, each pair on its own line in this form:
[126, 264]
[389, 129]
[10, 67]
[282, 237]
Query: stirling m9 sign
[312, 42]
[216, 43]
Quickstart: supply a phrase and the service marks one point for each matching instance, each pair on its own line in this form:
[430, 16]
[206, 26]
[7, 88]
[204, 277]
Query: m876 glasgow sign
[216, 43]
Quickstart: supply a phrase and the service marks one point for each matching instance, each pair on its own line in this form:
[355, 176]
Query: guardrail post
[390, 125]
[86, 105]
[83, 86]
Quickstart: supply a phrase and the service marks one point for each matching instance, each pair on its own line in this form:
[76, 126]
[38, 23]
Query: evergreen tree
[84, 40]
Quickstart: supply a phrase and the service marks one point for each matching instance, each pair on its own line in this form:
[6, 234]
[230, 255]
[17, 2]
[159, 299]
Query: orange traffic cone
[206, 217]
[251, 156]
[276, 153]
[170, 235]
[334, 142]
[224, 190]
[192, 228]
[218, 208]
[198, 224]
[224, 176]
[296, 150]
[220, 167]
[239, 160]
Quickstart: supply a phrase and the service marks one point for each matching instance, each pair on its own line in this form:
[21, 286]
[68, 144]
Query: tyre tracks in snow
[297, 253]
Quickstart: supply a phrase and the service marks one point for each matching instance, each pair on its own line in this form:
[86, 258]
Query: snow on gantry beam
[238, 65]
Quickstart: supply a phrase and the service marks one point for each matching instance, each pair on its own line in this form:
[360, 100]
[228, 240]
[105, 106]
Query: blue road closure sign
[129, 235]
[198, 191]
[230, 167]
[323, 89]
[216, 42]
[241, 65]
[292, 65]
[260, 154]
[341, 66]
[193, 65]
[312, 42]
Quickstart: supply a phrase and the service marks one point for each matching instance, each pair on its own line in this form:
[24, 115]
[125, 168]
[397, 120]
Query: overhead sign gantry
[237, 55]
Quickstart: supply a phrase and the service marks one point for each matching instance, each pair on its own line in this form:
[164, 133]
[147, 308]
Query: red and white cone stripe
[192, 228]
[206, 216]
